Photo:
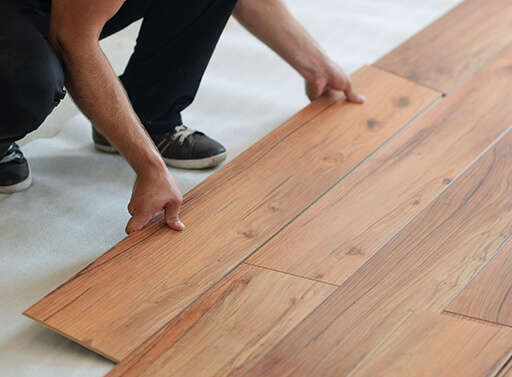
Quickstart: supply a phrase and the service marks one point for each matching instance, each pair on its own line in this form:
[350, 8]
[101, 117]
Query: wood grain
[421, 269]
[435, 345]
[487, 296]
[342, 230]
[227, 330]
[125, 296]
[449, 51]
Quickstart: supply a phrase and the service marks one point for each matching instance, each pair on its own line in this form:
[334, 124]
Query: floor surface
[75, 210]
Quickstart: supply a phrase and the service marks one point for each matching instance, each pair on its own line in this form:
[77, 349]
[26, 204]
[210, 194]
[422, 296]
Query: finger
[137, 222]
[172, 216]
[352, 96]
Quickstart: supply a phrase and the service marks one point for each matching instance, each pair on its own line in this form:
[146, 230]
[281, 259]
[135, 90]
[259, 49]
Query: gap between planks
[282, 272]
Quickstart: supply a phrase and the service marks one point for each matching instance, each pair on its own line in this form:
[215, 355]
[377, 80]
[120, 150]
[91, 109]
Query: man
[44, 41]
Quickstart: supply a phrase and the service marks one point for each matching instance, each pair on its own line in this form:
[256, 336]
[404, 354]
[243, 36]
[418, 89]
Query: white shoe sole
[18, 186]
[202, 163]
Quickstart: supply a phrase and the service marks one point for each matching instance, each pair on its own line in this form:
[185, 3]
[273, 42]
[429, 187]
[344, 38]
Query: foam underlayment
[76, 209]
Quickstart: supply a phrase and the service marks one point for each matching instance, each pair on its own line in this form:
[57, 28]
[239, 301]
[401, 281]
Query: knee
[31, 85]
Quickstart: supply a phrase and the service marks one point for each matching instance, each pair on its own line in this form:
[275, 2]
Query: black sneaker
[14, 171]
[183, 148]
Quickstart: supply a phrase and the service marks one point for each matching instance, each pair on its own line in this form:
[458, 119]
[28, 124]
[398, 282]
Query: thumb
[172, 217]
[352, 96]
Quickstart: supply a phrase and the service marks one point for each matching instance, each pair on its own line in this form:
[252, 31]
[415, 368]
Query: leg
[176, 41]
[32, 82]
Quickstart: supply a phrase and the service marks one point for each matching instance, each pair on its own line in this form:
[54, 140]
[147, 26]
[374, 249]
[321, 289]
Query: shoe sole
[202, 163]
[18, 186]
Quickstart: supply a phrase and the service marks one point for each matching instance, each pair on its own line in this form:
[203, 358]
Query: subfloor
[75, 210]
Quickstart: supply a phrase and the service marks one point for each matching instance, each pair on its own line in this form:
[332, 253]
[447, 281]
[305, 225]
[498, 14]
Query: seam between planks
[506, 367]
[475, 319]
[441, 92]
[375, 349]
[288, 273]
[478, 272]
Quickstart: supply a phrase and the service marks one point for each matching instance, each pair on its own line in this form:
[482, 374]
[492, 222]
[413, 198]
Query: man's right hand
[75, 26]
[155, 190]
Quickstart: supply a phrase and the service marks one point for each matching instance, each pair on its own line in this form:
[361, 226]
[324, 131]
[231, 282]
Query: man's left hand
[331, 76]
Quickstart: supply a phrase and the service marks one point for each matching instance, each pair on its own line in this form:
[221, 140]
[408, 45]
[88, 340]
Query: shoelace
[182, 132]
[12, 154]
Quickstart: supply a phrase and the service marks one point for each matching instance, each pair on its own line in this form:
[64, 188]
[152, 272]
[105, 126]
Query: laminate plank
[125, 296]
[342, 230]
[435, 345]
[449, 51]
[227, 330]
[421, 269]
[487, 296]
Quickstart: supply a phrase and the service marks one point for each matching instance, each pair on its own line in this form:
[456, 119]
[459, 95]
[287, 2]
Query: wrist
[313, 66]
[152, 164]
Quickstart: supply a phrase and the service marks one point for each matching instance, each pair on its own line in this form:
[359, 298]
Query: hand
[153, 192]
[331, 76]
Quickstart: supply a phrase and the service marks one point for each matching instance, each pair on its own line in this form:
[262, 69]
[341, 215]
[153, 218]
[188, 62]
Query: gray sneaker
[14, 171]
[183, 148]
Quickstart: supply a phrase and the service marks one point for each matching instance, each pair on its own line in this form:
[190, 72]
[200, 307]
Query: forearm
[272, 23]
[75, 27]
[99, 94]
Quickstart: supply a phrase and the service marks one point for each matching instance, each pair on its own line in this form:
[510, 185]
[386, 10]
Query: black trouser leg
[31, 78]
[173, 49]
[174, 46]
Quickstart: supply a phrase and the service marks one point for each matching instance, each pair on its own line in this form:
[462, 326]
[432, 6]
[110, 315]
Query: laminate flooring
[354, 240]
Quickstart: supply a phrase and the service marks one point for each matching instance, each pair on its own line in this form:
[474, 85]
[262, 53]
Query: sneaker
[14, 171]
[183, 148]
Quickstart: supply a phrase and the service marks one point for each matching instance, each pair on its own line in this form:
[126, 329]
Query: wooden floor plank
[421, 269]
[124, 297]
[341, 231]
[487, 296]
[435, 345]
[446, 53]
[226, 331]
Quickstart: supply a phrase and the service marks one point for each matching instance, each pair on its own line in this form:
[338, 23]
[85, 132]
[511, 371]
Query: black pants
[174, 46]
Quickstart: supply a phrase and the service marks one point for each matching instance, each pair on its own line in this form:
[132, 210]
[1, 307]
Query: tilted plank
[124, 297]
[487, 296]
[341, 231]
[421, 269]
[454, 47]
[435, 345]
[227, 330]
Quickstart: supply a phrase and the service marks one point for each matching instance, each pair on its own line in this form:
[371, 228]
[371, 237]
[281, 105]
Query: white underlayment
[76, 208]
